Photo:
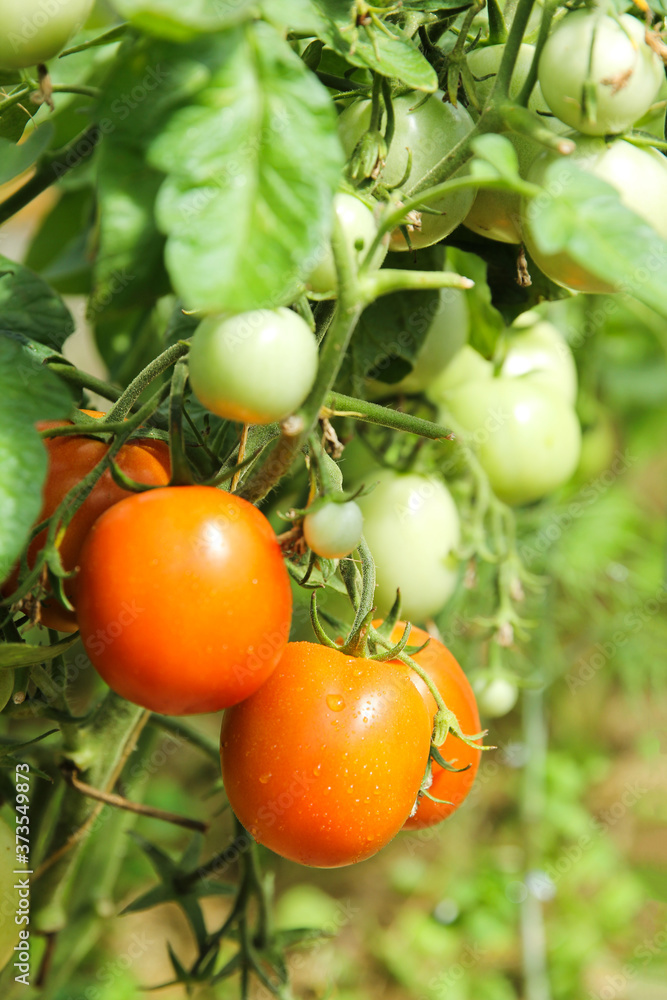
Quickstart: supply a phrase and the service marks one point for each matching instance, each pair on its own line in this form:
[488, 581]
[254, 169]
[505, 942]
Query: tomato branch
[339, 405]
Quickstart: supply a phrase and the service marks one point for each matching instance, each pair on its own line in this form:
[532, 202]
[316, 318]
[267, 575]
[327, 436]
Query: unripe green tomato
[335, 530]
[6, 686]
[412, 528]
[255, 367]
[34, 31]
[598, 448]
[537, 350]
[610, 53]
[639, 176]
[483, 63]
[496, 696]
[467, 365]
[496, 214]
[429, 129]
[358, 224]
[446, 335]
[526, 436]
[9, 931]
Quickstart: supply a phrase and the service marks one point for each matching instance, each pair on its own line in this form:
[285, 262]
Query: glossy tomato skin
[334, 530]
[184, 601]
[412, 527]
[612, 54]
[526, 435]
[33, 32]
[72, 457]
[359, 229]
[536, 349]
[323, 763]
[429, 129]
[457, 694]
[253, 367]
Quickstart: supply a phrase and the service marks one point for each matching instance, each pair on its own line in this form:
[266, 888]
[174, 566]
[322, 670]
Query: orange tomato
[72, 457]
[183, 599]
[323, 763]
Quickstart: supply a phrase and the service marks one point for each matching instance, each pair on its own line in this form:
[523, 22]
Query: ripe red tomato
[323, 763]
[183, 599]
[70, 459]
[458, 695]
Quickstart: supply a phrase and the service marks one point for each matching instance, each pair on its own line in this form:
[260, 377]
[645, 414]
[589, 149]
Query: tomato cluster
[184, 605]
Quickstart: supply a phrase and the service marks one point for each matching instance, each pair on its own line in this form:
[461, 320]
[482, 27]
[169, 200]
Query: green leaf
[486, 322]
[587, 220]
[13, 123]
[60, 249]
[19, 654]
[253, 163]
[15, 159]
[178, 21]
[128, 269]
[388, 52]
[30, 307]
[28, 393]
[392, 329]
[499, 152]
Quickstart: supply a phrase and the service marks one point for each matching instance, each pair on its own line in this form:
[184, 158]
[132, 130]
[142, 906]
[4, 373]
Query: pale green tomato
[526, 436]
[467, 365]
[483, 64]
[538, 351]
[496, 696]
[496, 214]
[34, 31]
[360, 230]
[255, 367]
[598, 448]
[612, 54]
[412, 528]
[640, 177]
[446, 335]
[9, 930]
[429, 129]
[335, 530]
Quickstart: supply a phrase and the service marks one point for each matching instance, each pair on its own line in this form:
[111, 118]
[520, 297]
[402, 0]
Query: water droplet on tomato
[264, 778]
[317, 769]
[335, 702]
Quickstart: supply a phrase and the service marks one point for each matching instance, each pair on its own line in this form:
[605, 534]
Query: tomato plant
[256, 367]
[34, 32]
[196, 547]
[334, 530]
[424, 130]
[323, 763]
[412, 528]
[597, 73]
[337, 262]
[72, 457]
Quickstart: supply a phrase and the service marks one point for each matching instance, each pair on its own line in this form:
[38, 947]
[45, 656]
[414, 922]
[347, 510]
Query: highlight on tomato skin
[453, 685]
[70, 458]
[184, 601]
[323, 763]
